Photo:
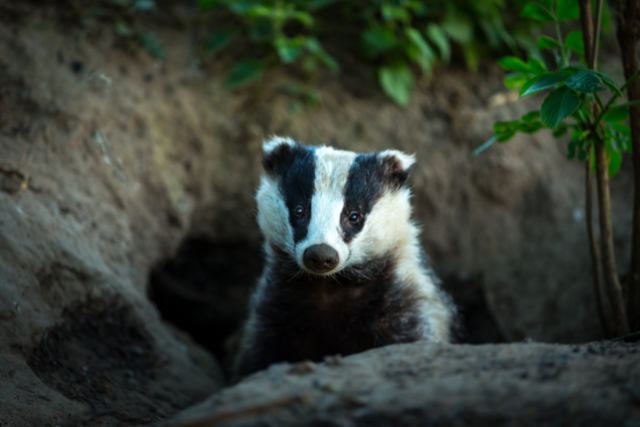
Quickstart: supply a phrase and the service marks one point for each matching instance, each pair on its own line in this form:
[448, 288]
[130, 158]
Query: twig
[634, 336]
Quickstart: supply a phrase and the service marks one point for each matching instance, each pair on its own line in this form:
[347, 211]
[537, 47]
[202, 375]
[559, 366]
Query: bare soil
[523, 384]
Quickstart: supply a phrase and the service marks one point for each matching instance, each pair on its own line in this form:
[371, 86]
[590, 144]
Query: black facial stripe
[364, 187]
[298, 173]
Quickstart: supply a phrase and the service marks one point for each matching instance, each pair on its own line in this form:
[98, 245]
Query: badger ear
[396, 166]
[276, 151]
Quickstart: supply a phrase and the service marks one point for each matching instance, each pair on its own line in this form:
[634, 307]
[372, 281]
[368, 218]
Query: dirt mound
[420, 384]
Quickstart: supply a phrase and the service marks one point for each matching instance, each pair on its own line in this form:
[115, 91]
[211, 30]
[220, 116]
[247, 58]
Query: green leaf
[611, 84]
[504, 131]
[150, 42]
[122, 29]
[247, 6]
[379, 40]
[314, 46]
[471, 53]
[548, 3]
[219, 40]
[439, 38]
[574, 42]
[567, 10]
[484, 146]
[536, 66]
[319, 4]
[571, 148]
[144, 5]
[561, 130]
[458, 27]
[584, 81]
[303, 17]
[244, 72]
[206, 4]
[627, 104]
[531, 117]
[558, 105]
[395, 13]
[546, 42]
[626, 130]
[289, 49]
[515, 81]
[514, 64]
[529, 127]
[538, 12]
[616, 114]
[421, 52]
[615, 161]
[545, 82]
[397, 82]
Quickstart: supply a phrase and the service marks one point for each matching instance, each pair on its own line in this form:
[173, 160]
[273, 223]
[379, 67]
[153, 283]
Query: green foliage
[574, 89]
[397, 82]
[244, 72]
[400, 38]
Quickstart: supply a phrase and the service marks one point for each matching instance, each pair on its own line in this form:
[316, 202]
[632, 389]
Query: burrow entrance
[205, 288]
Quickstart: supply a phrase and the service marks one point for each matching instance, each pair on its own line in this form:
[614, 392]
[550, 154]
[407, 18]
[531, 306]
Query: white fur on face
[387, 228]
[273, 215]
[332, 171]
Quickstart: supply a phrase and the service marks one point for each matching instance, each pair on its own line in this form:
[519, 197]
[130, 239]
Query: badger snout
[320, 258]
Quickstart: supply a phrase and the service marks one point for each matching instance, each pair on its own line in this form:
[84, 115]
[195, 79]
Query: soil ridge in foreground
[519, 384]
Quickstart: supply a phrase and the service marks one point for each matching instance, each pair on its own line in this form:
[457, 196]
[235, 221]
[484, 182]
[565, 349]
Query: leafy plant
[573, 103]
[398, 37]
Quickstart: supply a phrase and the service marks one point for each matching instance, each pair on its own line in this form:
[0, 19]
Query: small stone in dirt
[77, 66]
[351, 400]
[326, 386]
[306, 367]
[333, 360]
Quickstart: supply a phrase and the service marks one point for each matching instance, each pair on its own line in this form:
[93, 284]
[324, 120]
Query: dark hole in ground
[478, 324]
[205, 287]
[101, 355]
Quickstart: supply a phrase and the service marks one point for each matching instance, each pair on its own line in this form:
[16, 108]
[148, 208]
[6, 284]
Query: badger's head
[332, 209]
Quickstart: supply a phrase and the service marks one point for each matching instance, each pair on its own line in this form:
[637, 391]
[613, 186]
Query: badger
[344, 268]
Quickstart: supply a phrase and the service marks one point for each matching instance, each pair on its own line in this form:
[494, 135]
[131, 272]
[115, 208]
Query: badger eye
[354, 217]
[298, 211]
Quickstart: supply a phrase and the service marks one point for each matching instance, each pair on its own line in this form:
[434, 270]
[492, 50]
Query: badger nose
[320, 258]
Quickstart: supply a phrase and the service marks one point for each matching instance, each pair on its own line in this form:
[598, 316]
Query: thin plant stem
[593, 248]
[596, 35]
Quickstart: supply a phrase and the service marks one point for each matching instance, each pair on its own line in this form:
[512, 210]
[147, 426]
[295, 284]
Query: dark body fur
[302, 317]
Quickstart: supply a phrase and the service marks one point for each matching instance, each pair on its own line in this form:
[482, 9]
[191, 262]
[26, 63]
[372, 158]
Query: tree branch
[590, 39]
[627, 17]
